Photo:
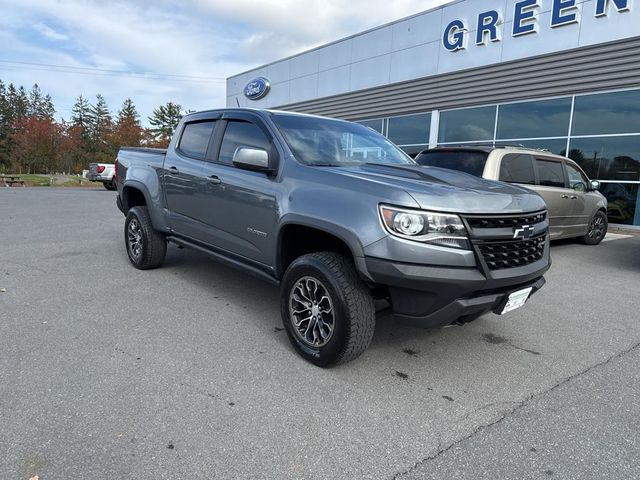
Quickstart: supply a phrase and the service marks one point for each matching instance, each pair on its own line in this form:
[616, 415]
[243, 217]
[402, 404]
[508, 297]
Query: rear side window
[241, 134]
[517, 168]
[472, 162]
[195, 138]
[550, 173]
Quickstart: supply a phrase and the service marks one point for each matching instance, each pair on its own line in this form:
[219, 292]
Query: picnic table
[11, 180]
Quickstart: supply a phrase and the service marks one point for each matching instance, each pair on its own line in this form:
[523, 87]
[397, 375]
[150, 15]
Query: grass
[55, 181]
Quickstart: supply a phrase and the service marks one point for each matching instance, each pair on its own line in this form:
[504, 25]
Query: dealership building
[559, 75]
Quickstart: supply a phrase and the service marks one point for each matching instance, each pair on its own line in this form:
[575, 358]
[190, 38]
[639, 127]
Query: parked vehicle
[337, 216]
[104, 173]
[576, 207]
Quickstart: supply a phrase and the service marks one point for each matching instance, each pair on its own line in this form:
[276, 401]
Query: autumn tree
[128, 132]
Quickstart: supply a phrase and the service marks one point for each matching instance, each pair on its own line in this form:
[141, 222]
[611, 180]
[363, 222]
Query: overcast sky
[207, 39]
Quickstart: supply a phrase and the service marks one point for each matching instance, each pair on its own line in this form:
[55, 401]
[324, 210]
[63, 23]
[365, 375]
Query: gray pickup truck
[338, 217]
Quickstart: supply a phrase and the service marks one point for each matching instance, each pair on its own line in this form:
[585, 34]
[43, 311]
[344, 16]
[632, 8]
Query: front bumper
[434, 297]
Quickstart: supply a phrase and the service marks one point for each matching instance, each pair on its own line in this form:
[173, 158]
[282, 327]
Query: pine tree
[164, 121]
[35, 102]
[21, 104]
[100, 121]
[80, 114]
[48, 110]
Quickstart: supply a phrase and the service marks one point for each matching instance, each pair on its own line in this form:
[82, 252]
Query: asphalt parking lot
[184, 372]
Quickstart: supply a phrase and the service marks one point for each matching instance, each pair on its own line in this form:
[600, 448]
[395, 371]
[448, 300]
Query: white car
[103, 172]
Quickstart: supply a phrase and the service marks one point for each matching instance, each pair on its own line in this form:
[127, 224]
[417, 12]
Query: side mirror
[594, 185]
[250, 158]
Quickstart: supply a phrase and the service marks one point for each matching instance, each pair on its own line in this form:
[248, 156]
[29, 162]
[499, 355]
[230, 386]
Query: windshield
[469, 161]
[336, 143]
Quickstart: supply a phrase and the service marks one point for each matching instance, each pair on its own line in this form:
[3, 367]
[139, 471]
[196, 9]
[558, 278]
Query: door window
[550, 173]
[195, 138]
[241, 134]
[517, 168]
[575, 176]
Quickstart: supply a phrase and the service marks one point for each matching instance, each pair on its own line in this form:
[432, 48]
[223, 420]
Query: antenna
[238, 102]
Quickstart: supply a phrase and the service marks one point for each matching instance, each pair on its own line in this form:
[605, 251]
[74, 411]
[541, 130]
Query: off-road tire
[354, 310]
[153, 245]
[109, 185]
[595, 234]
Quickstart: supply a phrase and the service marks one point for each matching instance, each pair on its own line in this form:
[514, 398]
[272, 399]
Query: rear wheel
[327, 310]
[109, 185]
[597, 229]
[146, 247]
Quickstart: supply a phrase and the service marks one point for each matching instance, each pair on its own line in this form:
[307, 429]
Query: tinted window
[241, 134]
[550, 173]
[617, 112]
[517, 168]
[575, 176]
[472, 162]
[336, 143]
[608, 158]
[374, 124]
[195, 138]
[468, 125]
[410, 130]
[546, 118]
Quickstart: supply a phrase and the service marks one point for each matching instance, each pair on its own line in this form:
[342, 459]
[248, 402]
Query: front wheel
[146, 247]
[327, 310]
[597, 229]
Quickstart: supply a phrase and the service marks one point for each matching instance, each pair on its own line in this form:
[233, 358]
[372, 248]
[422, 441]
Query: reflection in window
[545, 118]
[467, 125]
[410, 130]
[605, 113]
[374, 124]
[623, 202]
[555, 145]
[608, 158]
[241, 134]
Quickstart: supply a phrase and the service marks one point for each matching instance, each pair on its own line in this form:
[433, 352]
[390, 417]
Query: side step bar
[256, 272]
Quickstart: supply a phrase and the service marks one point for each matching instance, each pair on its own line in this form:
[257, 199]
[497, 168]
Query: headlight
[442, 229]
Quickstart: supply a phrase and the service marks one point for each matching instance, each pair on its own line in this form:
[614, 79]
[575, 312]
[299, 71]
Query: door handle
[565, 196]
[215, 180]
[174, 171]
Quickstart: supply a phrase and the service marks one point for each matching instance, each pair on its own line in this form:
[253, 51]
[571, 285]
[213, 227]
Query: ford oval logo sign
[257, 88]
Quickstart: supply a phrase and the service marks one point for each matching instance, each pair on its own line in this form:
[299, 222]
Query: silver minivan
[575, 207]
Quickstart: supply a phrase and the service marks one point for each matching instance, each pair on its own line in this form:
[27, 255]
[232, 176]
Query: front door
[581, 205]
[239, 206]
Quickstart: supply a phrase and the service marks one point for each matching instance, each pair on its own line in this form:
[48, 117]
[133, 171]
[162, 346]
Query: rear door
[182, 177]
[552, 185]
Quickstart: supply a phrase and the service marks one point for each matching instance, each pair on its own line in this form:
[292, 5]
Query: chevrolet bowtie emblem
[524, 232]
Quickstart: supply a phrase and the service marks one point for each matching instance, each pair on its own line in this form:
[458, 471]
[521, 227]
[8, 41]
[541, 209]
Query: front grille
[512, 253]
[506, 222]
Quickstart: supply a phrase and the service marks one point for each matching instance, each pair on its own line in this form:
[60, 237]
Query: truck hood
[449, 190]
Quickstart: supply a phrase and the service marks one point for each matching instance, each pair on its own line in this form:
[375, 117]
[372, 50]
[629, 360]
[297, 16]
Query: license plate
[516, 300]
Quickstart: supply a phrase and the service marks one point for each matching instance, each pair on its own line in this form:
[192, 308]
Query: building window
[608, 158]
[623, 201]
[467, 125]
[410, 129]
[607, 113]
[374, 124]
[545, 118]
